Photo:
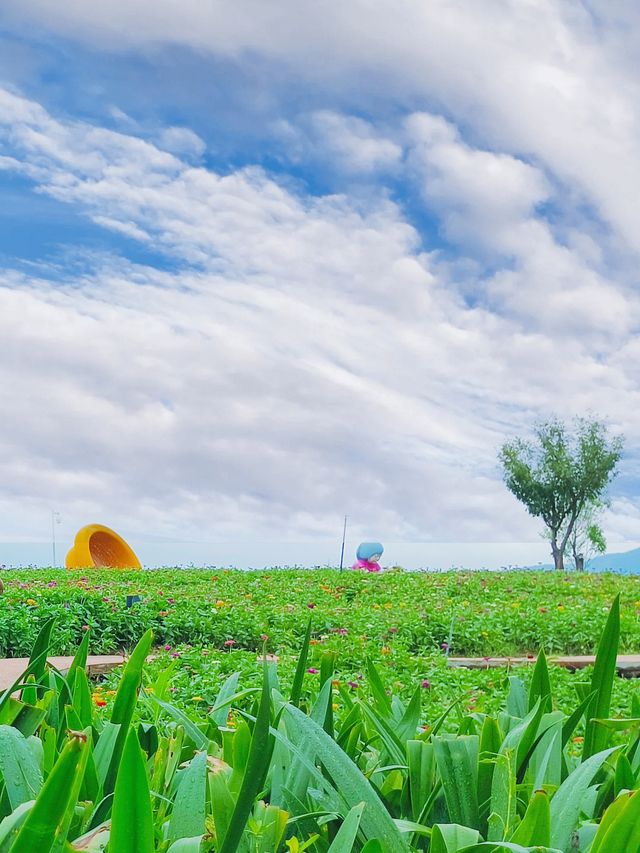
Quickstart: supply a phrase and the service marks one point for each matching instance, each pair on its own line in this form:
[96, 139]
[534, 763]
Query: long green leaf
[20, 770]
[540, 687]
[457, 760]
[346, 835]
[38, 661]
[132, 818]
[349, 782]
[301, 667]
[596, 738]
[125, 702]
[623, 834]
[568, 800]
[255, 772]
[450, 837]
[535, 828]
[56, 801]
[188, 816]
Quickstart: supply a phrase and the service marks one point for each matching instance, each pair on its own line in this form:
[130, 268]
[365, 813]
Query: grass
[287, 756]
[213, 623]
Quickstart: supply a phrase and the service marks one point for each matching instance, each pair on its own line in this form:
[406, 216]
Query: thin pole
[344, 536]
[55, 519]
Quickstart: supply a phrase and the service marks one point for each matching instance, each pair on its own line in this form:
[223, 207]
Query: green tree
[561, 474]
[587, 537]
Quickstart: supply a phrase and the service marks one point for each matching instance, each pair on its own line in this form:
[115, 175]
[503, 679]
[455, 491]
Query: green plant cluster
[488, 613]
[313, 766]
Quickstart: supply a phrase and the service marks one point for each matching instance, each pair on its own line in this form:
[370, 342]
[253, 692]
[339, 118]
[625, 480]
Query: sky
[264, 265]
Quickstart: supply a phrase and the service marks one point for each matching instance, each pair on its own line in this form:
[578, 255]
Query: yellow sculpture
[96, 546]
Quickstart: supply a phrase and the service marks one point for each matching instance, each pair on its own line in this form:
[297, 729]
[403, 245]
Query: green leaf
[568, 799]
[125, 702]
[457, 761]
[255, 772]
[540, 687]
[450, 837]
[38, 661]
[380, 699]
[503, 798]
[188, 816]
[53, 809]
[200, 740]
[595, 737]
[220, 709]
[11, 824]
[535, 828]
[187, 845]
[493, 846]
[20, 771]
[351, 785]
[132, 819]
[346, 836]
[301, 667]
[623, 833]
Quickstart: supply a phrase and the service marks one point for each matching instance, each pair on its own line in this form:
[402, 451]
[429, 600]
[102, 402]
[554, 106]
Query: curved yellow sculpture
[96, 546]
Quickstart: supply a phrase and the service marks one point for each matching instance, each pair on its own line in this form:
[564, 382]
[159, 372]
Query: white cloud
[182, 141]
[307, 359]
[345, 143]
[553, 80]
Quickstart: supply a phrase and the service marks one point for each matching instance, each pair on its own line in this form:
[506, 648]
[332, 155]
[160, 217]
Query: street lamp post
[55, 519]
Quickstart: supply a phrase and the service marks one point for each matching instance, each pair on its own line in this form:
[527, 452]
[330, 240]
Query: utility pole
[344, 536]
[55, 519]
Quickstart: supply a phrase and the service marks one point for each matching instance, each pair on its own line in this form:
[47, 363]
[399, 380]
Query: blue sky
[262, 265]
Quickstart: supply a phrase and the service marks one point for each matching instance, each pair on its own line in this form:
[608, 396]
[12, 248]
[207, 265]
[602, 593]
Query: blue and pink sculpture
[367, 557]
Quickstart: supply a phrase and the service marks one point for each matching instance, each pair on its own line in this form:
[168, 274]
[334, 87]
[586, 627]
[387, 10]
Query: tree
[587, 537]
[559, 475]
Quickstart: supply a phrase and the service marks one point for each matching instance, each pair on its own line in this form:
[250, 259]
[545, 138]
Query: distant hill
[626, 563]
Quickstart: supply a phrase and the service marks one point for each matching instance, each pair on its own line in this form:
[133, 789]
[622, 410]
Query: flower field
[282, 711]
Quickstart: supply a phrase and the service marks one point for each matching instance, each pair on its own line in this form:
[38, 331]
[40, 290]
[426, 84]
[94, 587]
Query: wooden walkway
[12, 668]
[627, 665]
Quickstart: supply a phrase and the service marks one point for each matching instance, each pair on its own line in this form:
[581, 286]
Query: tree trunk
[558, 556]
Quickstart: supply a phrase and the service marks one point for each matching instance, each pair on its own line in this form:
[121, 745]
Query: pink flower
[175, 655]
[52, 584]
[85, 627]
[312, 671]
[311, 605]
[229, 643]
[170, 600]
[353, 685]
[264, 637]
[426, 685]
[167, 648]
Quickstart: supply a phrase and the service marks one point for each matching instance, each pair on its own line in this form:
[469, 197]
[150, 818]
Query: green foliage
[561, 473]
[271, 777]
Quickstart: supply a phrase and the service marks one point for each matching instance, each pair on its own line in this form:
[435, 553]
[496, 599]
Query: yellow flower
[197, 699]
[388, 605]
[32, 602]
[220, 603]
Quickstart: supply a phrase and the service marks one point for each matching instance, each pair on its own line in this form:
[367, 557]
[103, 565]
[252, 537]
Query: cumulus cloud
[308, 357]
[345, 143]
[551, 80]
